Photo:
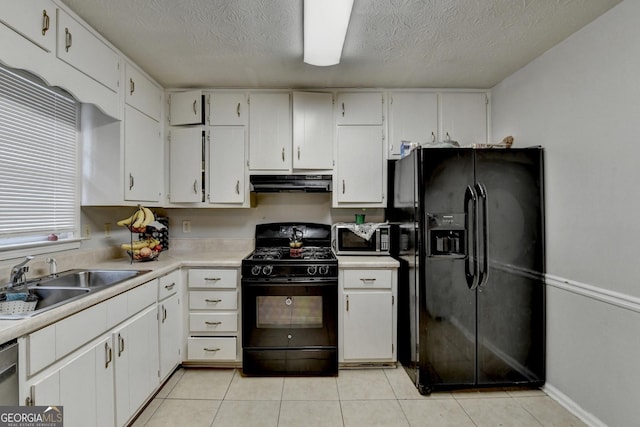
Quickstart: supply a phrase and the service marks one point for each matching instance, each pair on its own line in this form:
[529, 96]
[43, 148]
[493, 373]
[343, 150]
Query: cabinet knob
[45, 22]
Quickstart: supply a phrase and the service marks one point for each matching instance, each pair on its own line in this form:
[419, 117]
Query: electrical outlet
[107, 229]
[87, 231]
[186, 226]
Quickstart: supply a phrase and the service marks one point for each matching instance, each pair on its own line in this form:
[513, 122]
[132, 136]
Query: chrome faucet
[18, 273]
[53, 267]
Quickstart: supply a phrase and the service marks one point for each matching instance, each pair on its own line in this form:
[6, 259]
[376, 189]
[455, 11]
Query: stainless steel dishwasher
[9, 374]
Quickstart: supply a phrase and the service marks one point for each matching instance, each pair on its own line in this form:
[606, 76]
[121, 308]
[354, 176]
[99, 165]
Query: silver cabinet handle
[215, 301]
[213, 323]
[368, 280]
[283, 154]
[131, 181]
[447, 137]
[212, 279]
[238, 110]
[195, 187]
[120, 345]
[169, 287]
[433, 137]
[343, 186]
[238, 187]
[343, 109]
[67, 39]
[132, 86]
[194, 107]
[347, 303]
[108, 355]
[211, 349]
[298, 152]
[164, 313]
[45, 22]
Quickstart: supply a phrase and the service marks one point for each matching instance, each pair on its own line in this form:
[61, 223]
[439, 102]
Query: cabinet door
[227, 165]
[228, 109]
[87, 388]
[169, 317]
[312, 130]
[360, 174]
[185, 165]
[185, 108]
[141, 93]
[413, 117]
[359, 108]
[137, 363]
[368, 325]
[464, 117]
[80, 48]
[142, 157]
[45, 392]
[35, 20]
[270, 132]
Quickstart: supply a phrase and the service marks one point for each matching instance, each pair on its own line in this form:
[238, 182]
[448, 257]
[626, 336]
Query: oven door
[290, 327]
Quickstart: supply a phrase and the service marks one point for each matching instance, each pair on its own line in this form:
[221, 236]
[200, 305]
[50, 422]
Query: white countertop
[167, 262]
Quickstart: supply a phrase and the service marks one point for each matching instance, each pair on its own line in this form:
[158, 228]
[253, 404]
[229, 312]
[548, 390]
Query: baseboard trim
[571, 406]
[617, 299]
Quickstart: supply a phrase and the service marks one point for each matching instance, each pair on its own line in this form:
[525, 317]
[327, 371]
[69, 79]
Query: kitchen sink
[67, 286]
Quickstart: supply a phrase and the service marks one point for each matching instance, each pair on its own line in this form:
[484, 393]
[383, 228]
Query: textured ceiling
[390, 43]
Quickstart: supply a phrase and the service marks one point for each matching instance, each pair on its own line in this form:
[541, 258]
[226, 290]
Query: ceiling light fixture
[325, 27]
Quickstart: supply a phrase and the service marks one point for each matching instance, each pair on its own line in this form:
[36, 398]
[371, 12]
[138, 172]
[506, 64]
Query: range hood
[290, 183]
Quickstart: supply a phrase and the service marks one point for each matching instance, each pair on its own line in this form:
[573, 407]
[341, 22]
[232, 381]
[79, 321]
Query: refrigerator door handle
[484, 274]
[472, 275]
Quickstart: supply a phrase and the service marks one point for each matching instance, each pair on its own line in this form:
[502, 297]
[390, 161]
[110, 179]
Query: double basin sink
[67, 286]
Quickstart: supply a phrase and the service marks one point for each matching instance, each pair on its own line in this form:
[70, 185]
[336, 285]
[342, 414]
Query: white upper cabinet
[228, 109]
[360, 176]
[413, 117]
[80, 48]
[141, 93]
[464, 117]
[270, 132]
[35, 20]
[185, 108]
[227, 177]
[142, 157]
[185, 164]
[312, 130]
[359, 108]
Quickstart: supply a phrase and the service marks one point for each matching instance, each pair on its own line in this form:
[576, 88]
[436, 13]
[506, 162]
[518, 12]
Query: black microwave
[346, 241]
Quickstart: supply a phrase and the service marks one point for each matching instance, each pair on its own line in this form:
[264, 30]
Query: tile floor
[367, 397]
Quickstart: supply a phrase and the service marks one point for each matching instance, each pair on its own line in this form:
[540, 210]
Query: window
[38, 163]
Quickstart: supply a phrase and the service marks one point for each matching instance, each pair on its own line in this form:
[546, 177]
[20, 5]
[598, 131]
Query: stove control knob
[324, 270]
[312, 270]
[255, 270]
[267, 269]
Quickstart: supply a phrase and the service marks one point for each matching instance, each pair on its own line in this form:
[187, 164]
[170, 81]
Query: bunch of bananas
[139, 220]
[137, 245]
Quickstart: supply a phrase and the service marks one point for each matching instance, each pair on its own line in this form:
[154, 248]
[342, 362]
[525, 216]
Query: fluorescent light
[325, 27]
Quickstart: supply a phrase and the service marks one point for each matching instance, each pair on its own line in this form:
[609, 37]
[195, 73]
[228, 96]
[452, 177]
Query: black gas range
[289, 301]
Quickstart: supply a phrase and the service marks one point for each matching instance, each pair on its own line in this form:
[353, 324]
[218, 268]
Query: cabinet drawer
[141, 297]
[213, 322]
[213, 300]
[168, 285]
[368, 279]
[213, 278]
[80, 328]
[201, 348]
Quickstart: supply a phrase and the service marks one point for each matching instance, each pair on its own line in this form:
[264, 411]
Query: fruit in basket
[146, 252]
[146, 243]
[139, 220]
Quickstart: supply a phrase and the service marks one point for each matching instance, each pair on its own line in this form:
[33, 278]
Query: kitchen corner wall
[224, 223]
[581, 101]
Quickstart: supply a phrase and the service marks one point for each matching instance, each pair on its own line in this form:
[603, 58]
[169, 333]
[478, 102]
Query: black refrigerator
[471, 293]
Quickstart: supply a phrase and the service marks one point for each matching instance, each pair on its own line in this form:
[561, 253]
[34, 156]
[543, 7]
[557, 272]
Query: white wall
[581, 101]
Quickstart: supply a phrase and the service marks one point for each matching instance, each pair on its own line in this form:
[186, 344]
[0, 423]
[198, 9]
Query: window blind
[38, 160]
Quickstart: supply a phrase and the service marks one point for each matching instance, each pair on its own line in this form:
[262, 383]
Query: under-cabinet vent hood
[290, 183]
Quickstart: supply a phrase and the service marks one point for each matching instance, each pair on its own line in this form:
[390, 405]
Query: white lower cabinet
[103, 363]
[367, 315]
[214, 318]
[136, 364]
